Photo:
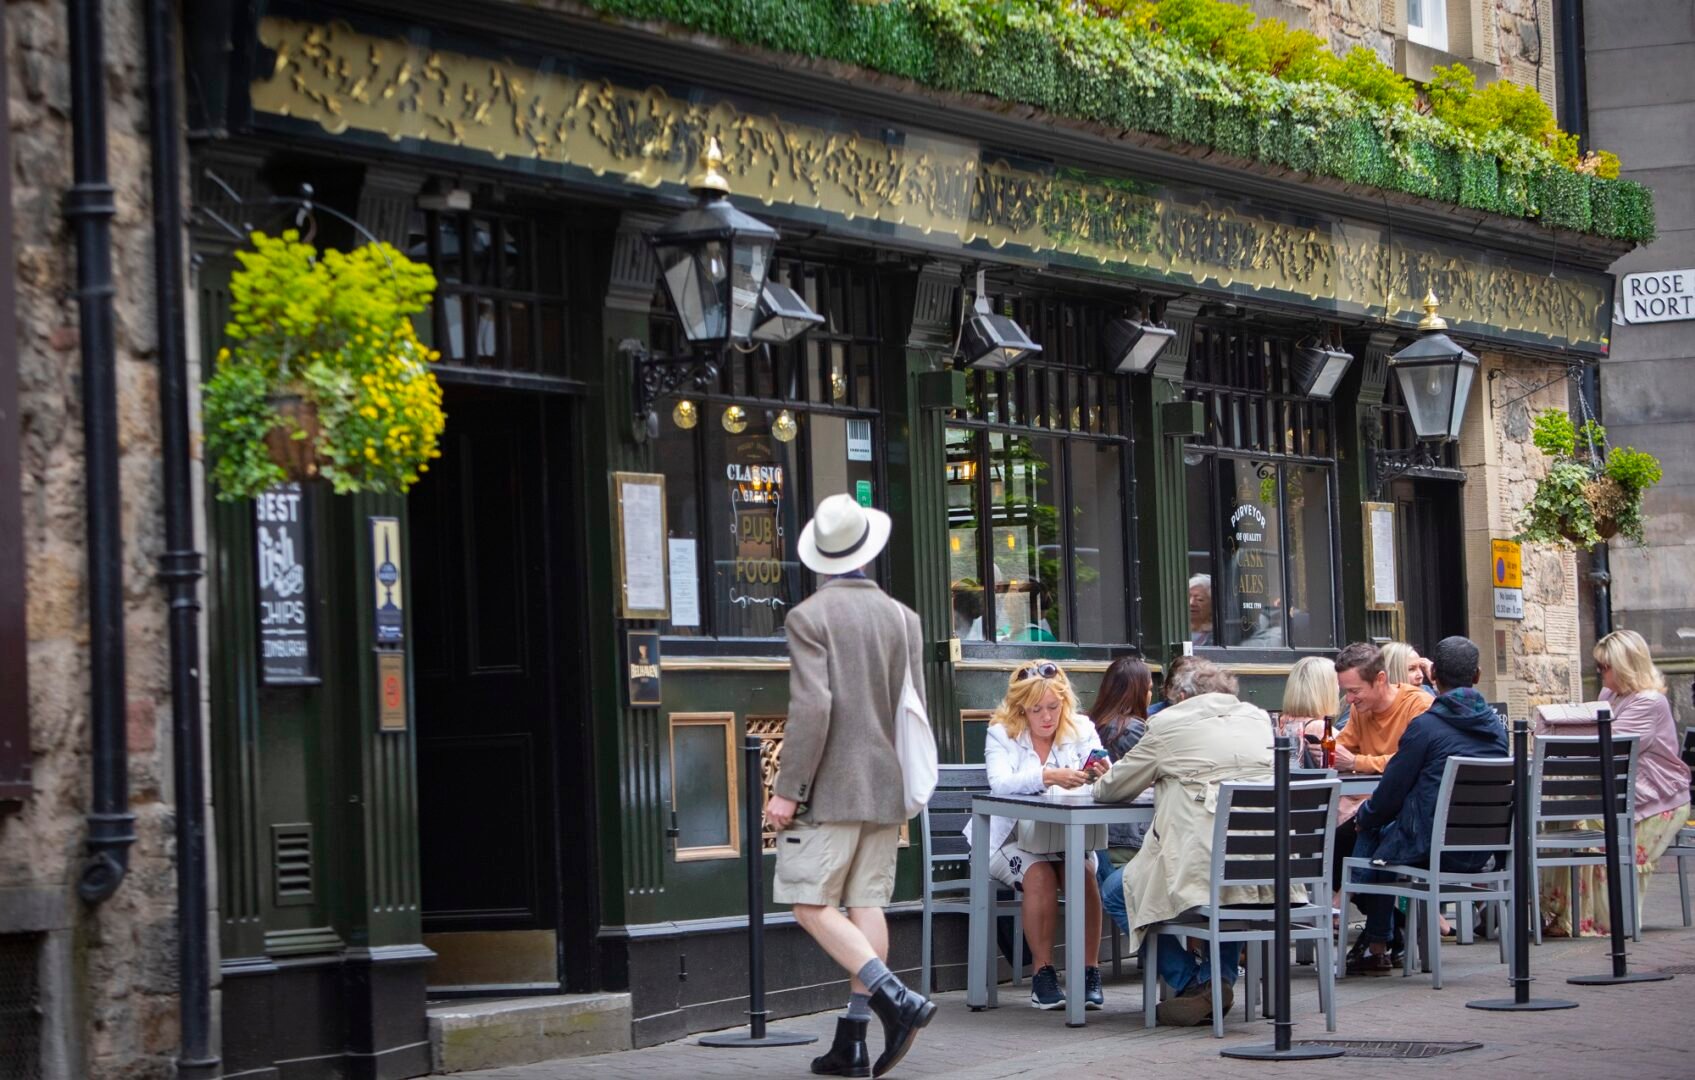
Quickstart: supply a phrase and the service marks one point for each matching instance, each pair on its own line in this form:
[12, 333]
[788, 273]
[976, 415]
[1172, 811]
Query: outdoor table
[1359, 783]
[1075, 814]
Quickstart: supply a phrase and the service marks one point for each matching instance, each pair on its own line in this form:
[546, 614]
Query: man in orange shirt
[1379, 712]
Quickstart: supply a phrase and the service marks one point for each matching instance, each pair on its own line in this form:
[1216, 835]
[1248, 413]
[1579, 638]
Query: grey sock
[874, 974]
[859, 1007]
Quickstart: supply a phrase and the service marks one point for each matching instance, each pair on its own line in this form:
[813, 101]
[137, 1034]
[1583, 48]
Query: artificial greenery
[1205, 72]
[335, 331]
[1587, 496]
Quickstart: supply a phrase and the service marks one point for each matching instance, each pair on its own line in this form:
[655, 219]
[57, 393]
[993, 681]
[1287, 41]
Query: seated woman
[1121, 718]
[1636, 690]
[1038, 740]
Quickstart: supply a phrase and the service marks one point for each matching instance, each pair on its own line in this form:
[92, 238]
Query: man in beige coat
[1207, 737]
[838, 799]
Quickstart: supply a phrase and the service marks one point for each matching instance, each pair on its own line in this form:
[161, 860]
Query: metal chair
[1474, 813]
[942, 827]
[1683, 848]
[1566, 778]
[1243, 843]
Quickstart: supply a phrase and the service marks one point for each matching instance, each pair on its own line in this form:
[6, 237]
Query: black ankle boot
[903, 1013]
[847, 1056]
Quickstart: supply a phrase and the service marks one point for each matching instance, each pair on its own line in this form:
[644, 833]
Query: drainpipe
[180, 564]
[1574, 109]
[88, 207]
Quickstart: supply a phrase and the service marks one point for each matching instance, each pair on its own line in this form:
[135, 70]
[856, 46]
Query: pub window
[1261, 499]
[783, 429]
[501, 292]
[1038, 491]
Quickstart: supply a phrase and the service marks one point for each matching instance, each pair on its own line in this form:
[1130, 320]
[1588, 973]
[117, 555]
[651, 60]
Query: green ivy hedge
[1044, 53]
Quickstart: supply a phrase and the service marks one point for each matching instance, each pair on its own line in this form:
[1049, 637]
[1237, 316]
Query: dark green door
[486, 787]
[1433, 569]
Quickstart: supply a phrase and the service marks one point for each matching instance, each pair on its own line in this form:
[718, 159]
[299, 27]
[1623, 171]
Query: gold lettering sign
[925, 188]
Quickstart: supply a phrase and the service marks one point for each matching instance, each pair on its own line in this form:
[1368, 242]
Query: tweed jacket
[846, 666]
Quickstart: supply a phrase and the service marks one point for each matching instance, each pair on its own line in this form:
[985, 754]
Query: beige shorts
[836, 864]
[1010, 862]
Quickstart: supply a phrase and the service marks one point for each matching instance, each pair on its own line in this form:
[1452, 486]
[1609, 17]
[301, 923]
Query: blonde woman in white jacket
[1038, 740]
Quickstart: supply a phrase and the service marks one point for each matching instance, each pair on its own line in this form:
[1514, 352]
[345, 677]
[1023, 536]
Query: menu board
[639, 511]
[1382, 592]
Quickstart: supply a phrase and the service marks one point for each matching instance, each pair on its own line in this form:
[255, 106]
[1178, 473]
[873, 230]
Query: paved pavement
[1637, 1032]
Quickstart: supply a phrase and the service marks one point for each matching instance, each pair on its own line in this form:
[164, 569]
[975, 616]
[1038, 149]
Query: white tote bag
[915, 741]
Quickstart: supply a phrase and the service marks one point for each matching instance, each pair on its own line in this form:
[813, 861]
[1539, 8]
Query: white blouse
[1014, 768]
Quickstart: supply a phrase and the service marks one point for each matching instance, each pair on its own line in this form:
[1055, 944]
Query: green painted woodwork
[1356, 402]
[1163, 493]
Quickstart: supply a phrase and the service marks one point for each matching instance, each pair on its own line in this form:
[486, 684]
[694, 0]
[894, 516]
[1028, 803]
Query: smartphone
[1096, 755]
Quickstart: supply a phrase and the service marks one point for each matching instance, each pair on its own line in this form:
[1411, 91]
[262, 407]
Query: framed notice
[638, 517]
[1382, 592]
[642, 656]
[388, 604]
[282, 568]
[391, 690]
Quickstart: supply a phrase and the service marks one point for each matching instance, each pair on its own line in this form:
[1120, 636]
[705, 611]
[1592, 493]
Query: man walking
[838, 800]
[1396, 822]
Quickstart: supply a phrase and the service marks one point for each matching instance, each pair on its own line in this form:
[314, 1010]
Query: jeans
[1182, 969]
[1379, 911]
[1111, 881]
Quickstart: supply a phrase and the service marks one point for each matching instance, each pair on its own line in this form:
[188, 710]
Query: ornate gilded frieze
[919, 188]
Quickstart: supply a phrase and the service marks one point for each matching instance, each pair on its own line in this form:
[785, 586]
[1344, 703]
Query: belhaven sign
[1657, 296]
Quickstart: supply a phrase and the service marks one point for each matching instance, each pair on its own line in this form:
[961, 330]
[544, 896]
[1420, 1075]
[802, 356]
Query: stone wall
[1539, 659]
[111, 969]
[1507, 39]
[1641, 75]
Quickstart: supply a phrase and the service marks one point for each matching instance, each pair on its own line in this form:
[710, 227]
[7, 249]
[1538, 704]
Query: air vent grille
[292, 864]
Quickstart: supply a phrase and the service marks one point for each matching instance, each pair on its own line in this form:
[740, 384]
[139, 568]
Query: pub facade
[462, 788]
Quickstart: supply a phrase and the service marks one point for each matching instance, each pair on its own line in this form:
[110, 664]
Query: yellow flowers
[335, 329]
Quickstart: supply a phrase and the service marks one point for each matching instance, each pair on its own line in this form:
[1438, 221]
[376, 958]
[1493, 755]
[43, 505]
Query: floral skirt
[1590, 911]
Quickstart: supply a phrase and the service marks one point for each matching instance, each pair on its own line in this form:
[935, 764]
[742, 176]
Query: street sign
[1509, 604]
[1506, 570]
[1506, 566]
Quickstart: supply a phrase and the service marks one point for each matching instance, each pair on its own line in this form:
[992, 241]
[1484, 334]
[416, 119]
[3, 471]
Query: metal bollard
[1282, 1049]
[1615, 884]
[1521, 1001]
[757, 1033]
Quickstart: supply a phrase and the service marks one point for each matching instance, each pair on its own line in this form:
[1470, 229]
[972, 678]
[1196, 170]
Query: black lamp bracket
[654, 375]
[1572, 371]
[1387, 466]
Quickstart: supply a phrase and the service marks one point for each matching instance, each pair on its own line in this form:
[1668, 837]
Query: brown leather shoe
[1193, 1007]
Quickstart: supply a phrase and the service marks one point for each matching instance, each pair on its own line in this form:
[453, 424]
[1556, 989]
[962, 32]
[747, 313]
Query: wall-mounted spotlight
[1132, 346]
[993, 342]
[783, 315]
[1316, 369]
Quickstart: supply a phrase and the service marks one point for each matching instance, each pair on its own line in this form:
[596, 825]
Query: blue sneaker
[1044, 990]
[1093, 996]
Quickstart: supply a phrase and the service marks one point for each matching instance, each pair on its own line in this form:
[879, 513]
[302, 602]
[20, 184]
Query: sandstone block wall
[111, 969]
[1539, 659]
[1507, 39]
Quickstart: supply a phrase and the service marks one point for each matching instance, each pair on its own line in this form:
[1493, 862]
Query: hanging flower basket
[324, 376]
[1589, 494]
[292, 442]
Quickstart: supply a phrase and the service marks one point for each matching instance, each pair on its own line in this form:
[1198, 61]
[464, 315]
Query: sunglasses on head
[1044, 670]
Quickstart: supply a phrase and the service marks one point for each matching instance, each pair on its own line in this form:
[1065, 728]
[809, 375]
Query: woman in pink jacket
[1636, 691]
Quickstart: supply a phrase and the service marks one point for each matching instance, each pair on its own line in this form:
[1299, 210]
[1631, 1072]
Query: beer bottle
[1329, 743]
